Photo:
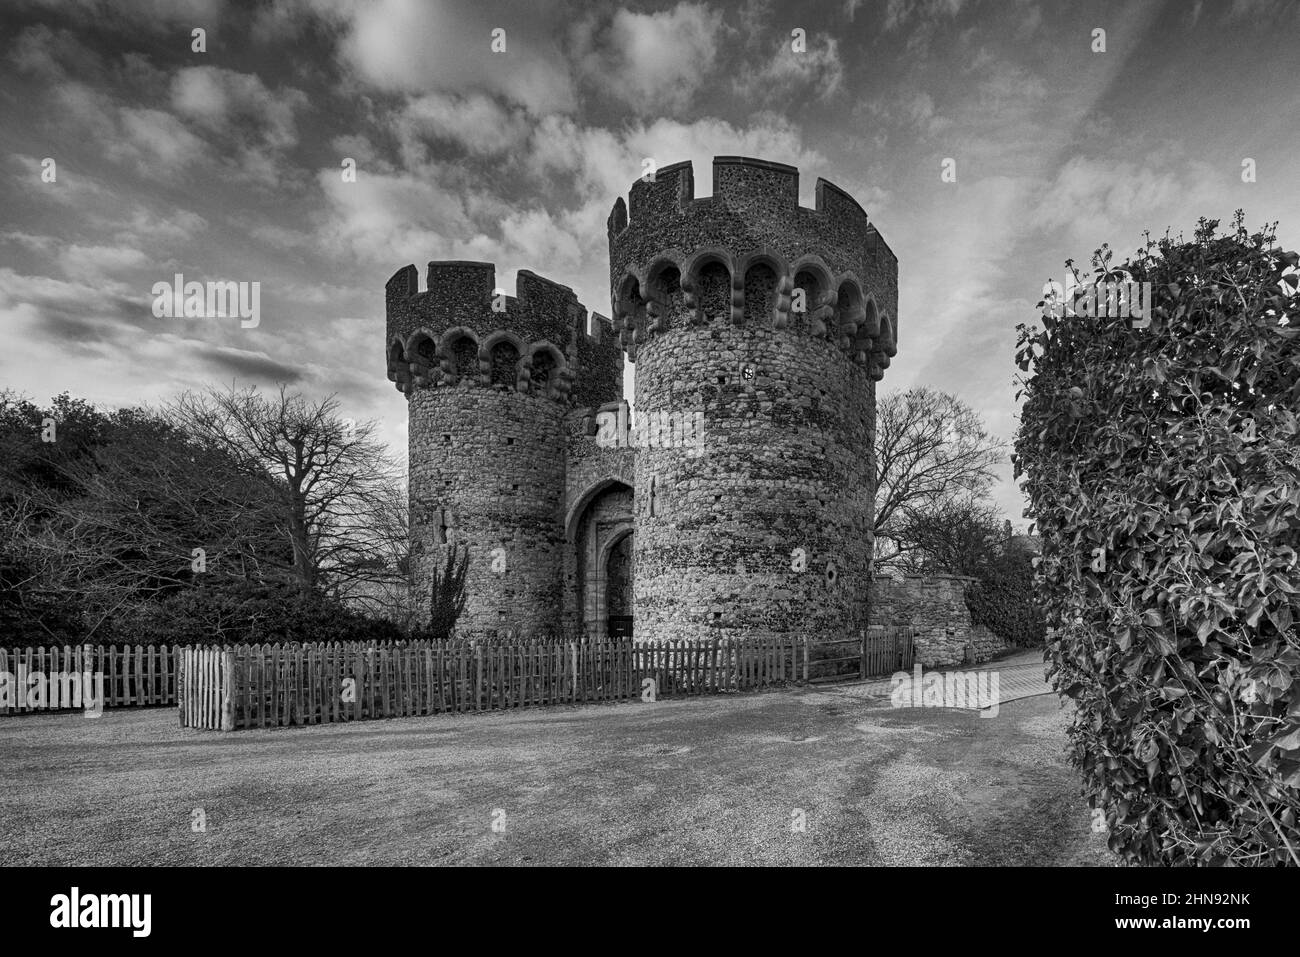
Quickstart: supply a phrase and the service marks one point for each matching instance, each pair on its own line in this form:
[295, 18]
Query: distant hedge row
[1004, 600]
[209, 616]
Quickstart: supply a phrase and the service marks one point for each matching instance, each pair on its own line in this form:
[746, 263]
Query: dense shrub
[252, 614]
[1003, 599]
[1163, 470]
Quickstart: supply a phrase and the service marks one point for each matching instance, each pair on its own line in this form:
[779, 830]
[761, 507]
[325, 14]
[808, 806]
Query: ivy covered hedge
[1162, 465]
[1004, 599]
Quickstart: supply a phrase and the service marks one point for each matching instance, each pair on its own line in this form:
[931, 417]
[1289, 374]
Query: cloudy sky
[226, 164]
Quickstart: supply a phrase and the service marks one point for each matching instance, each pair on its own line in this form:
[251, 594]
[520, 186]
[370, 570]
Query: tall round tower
[489, 379]
[766, 324]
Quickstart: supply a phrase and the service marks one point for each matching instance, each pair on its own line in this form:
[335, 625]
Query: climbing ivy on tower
[447, 598]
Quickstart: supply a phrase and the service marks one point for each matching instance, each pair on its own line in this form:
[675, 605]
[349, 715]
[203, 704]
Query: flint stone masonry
[768, 322]
[786, 464]
[490, 465]
[703, 294]
[935, 607]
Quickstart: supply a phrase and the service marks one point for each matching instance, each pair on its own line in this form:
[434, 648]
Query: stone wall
[785, 466]
[487, 471]
[763, 526]
[935, 607]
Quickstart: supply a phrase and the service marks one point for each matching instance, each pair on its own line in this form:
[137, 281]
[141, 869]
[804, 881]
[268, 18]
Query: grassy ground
[702, 781]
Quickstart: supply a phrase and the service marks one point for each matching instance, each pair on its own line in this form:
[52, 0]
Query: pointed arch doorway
[618, 585]
[602, 535]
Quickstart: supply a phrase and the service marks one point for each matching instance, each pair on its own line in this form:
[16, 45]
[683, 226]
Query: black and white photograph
[649, 434]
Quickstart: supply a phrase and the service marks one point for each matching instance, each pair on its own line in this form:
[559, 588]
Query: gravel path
[1021, 675]
[796, 776]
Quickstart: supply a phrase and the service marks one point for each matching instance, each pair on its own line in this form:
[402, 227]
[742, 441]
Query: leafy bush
[1163, 470]
[1004, 600]
[251, 615]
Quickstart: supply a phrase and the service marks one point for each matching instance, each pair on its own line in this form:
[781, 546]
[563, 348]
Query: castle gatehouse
[758, 329]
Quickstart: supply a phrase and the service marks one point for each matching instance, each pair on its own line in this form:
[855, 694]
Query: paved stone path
[1019, 676]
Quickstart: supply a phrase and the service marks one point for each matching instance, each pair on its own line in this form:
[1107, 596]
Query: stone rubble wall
[487, 472]
[786, 465]
[935, 607]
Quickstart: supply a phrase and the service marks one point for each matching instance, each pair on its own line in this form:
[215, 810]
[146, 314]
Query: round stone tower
[765, 325]
[489, 379]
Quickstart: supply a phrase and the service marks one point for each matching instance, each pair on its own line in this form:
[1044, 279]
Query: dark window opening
[504, 361]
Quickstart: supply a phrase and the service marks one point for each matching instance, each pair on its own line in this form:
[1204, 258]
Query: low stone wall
[935, 607]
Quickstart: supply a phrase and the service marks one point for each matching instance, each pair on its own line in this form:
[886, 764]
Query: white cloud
[392, 218]
[356, 146]
[157, 142]
[654, 62]
[921, 112]
[280, 238]
[154, 142]
[147, 227]
[37, 243]
[1009, 87]
[251, 124]
[476, 122]
[52, 55]
[899, 13]
[770, 69]
[414, 47]
[218, 99]
[1090, 198]
[96, 263]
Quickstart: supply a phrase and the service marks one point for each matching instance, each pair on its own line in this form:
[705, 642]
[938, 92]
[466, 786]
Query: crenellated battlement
[463, 330]
[738, 181]
[750, 255]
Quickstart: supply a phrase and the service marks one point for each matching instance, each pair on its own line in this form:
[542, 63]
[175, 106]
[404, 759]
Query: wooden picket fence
[259, 686]
[132, 676]
[711, 667]
[272, 685]
[206, 683]
[870, 653]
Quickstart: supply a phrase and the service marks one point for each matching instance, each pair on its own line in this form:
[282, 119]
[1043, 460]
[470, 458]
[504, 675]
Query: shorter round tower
[489, 379]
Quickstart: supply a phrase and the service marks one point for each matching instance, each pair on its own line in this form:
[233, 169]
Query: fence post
[228, 691]
[478, 678]
[182, 699]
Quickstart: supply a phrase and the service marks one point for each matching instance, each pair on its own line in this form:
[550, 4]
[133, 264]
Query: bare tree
[957, 538]
[932, 453]
[337, 490]
[117, 510]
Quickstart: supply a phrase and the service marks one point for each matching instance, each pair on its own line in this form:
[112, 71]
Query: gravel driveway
[795, 776]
